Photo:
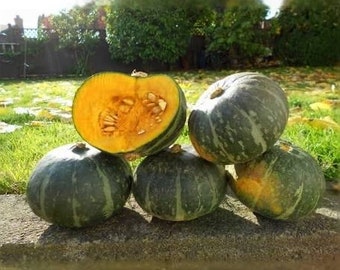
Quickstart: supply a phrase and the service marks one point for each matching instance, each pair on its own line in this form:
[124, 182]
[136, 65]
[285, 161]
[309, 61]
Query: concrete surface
[231, 236]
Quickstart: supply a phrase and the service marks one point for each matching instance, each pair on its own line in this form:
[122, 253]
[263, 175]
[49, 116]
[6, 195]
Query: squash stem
[176, 148]
[218, 92]
[140, 74]
[79, 147]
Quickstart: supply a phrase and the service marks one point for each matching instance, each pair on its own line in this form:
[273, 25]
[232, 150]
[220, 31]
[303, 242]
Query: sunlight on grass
[21, 150]
[39, 133]
[322, 144]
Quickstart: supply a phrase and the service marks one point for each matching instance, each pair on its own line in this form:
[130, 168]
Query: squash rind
[178, 186]
[78, 188]
[284, 183]
[242, 122]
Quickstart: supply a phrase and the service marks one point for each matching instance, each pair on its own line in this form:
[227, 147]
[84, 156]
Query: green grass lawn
[41, 112]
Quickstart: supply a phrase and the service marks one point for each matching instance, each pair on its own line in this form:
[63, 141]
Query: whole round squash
[135, 115]
[284, 183]
[178, 185]
[76, 185]
[238, 118]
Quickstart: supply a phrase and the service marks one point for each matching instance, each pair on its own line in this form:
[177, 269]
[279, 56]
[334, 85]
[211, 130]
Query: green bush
[236, 35]
[309, 33]
[151, 34]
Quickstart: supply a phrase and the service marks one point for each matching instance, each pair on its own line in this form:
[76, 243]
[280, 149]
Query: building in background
[11, 36]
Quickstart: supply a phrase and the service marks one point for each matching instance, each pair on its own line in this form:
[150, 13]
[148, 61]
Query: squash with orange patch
[132, 115]
[284, 183]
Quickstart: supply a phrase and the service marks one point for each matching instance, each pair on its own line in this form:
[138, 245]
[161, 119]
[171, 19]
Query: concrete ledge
[231, 234]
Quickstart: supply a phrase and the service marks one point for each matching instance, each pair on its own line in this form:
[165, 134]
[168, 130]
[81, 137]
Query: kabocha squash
[131, 115]
[238, 118]
[178, 185]
[284, 183]
[78, 185]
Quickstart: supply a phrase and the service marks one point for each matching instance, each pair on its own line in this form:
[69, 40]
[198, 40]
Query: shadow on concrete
[220, 222]
[232, 233]
[132, 225]
[119, 227]
[231, 218]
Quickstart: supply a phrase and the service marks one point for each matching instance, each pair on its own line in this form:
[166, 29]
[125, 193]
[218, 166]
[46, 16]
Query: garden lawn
[35, 117]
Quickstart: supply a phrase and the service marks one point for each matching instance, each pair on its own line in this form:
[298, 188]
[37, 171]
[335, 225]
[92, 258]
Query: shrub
[309, 33]
[147, 34]
[236, 34]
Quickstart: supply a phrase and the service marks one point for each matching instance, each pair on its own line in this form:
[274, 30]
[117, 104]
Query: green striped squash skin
[178, 186]
[238, 118]
[77, 187]
[285, 183]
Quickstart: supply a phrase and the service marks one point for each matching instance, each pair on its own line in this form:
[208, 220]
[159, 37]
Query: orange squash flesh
[119, 113]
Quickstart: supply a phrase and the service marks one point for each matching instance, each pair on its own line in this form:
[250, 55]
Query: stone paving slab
[231, 234]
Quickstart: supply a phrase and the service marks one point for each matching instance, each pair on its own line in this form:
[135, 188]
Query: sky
[29, 10]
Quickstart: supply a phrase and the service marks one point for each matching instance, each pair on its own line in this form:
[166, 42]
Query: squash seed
[145, 101]
[162, 104]
[141, 131]
[114, 116]
[108, 123]
[109, 118]
[156, 110]
[124, 108]
[128, 101]
[152, 97]
[109, 129]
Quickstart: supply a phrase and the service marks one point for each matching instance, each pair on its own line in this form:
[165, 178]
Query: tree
[236, 33]
[152, 30]
[76, 29]
[309, 33]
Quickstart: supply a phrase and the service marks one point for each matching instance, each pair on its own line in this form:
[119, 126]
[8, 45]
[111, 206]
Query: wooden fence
[35, 52]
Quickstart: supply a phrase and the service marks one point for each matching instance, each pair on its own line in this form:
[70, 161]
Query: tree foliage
[76, 29]
[152, 30]
[148, 35]
[236, 33]
[305, 32]
[309, 32]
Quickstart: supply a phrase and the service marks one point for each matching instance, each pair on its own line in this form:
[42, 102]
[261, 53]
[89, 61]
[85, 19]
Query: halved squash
[131, 115]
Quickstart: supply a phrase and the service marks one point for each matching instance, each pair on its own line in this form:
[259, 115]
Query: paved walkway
[231, 234]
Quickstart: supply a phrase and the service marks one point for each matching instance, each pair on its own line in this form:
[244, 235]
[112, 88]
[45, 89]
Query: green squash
[178, 185]
[284, 183]
[78, 186]
[238, 118]
[133, 116]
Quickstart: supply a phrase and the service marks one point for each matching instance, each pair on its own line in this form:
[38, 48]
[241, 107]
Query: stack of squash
[238, 120]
